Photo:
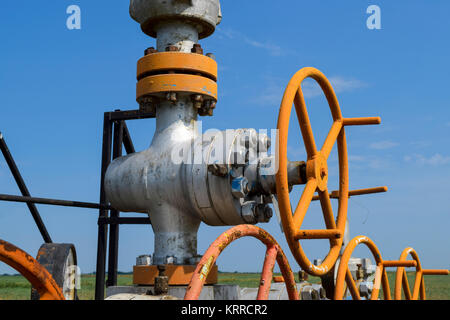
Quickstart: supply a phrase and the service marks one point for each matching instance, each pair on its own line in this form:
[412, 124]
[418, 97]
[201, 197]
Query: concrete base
[214, 292]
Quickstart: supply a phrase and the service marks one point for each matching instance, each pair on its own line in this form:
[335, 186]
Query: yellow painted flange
[163, 83]
[179, 62]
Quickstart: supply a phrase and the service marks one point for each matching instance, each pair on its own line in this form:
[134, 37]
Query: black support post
[122, 139]
[103, 213]
[114, 228]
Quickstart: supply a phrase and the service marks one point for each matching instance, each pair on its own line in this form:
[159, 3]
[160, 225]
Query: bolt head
[172, 96]
[263, 213]
[219, 170]
[248, 212]
[172, 48]
[150, 50]
[264, 143]
[238, 158]
[268, 213]
[211, 55]
[239, 187]
[197, 48]
[171, 260]
[302, 275]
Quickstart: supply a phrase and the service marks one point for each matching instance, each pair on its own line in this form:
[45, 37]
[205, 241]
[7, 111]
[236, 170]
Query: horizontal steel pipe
[53, 202]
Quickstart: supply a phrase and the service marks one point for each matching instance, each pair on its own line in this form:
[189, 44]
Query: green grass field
[18, 288]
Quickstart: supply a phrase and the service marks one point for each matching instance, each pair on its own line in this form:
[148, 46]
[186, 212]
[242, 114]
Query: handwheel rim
[28, 267]
[344, 278]
[401, 279]
[294, 94]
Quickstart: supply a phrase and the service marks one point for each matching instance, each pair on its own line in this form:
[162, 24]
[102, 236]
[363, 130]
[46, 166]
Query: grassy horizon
[16, 287]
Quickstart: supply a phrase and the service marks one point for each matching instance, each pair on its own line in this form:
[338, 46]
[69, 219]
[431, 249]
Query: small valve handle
[359, 192]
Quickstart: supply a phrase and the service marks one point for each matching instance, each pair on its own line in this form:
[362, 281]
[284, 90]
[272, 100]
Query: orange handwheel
[316, 171]
[345, 279]
[401, 279]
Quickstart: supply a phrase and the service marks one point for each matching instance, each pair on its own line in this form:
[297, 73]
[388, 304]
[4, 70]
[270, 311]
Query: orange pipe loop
[273, 254]
[28, 267]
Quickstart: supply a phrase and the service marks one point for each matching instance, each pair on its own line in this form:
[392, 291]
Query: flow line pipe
[52, 202]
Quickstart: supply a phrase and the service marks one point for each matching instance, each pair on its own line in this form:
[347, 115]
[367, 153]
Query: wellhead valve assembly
[220, 178]
[236, 177]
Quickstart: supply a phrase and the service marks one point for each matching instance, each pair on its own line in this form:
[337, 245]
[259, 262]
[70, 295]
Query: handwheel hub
[317, 168]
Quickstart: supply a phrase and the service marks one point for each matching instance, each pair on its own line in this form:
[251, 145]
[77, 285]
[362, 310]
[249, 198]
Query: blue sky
[55, 85]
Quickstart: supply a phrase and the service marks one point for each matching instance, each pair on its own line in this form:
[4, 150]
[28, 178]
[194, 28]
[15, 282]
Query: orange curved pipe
[36, 274]
[344, 275]
[273, 254]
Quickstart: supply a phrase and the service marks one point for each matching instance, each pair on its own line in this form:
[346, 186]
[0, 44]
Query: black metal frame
[115, 137]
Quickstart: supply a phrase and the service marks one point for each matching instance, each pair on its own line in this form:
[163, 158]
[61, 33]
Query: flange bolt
[197, 49]
[150, 51]
[161, 281]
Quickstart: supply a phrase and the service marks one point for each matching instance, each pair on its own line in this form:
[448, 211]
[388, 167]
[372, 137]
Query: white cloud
[269, 46]
[272, 94]
[421, 144]
[272, 48]
[356, 158]
[363, 162]
[340, 84]
[383, 145]
[435, 160]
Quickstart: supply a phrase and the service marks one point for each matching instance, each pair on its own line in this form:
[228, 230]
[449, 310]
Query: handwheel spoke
[327, 209]
[417, 283]
[405, 284]
[305, 201]
[331, 138]
[305, 124]
[352, 286]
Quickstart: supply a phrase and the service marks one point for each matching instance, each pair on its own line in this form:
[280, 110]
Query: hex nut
[197, 48]
[302, 275]
[365, 289]
[144, 260]
[219, 170]
[147, 104]
[238, 158]
[309, 293]
[248, 212]
[211, 56]
[172, 48]
[263, 213]
[150, 50]
[171, 260]
[239, 187]
[264, 143]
